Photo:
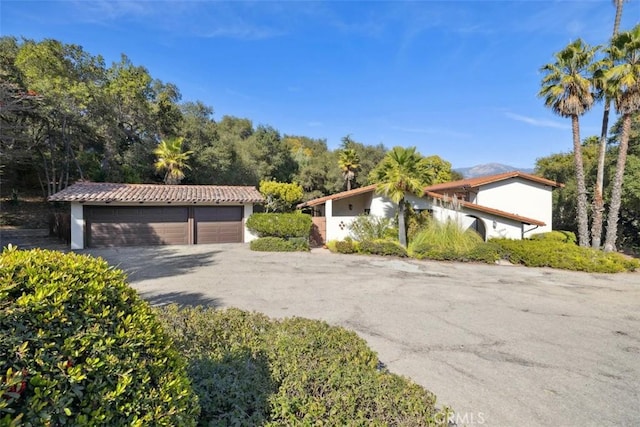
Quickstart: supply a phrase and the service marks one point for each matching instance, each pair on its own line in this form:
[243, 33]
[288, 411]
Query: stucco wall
[520, 197]
[248, 236]
[494, 226]
[352, 206]
[77, 226]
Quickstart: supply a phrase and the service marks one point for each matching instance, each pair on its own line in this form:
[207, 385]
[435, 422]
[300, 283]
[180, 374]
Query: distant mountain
[489, 169]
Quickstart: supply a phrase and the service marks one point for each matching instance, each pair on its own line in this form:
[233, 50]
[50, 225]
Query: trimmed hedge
[79, 347]
[346, 246]
[255, 371]
[557, 236]
[567, 256]
[284, 225]
[382, 247]
[278, 244]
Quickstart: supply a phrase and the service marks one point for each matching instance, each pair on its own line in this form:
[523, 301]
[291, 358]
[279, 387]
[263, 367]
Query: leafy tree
[349, 164]
[622, 84]
[403, 171]
[280, 196]
[598, 200]
[172, 160]
[568, 91]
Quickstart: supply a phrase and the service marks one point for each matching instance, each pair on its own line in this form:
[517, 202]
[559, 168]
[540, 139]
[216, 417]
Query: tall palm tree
[349, 163]
[598, 199]
[568, 90]
[401, 172]
[172, 160]
[622, 84]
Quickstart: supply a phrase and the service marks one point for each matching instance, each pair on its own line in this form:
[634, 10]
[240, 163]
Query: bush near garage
[250, 370]
[566, 256]
[79, 347]
[278, 244]
[284, 225]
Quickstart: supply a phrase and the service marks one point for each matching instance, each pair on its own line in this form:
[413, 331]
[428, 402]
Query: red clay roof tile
[112, 192]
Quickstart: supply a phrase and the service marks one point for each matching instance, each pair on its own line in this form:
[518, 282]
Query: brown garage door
[218, 224]
[136, 226]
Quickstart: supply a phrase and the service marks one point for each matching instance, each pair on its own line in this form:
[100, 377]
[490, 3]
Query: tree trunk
[598, 199]
[583, 219]
[616, 190]
[402, 231]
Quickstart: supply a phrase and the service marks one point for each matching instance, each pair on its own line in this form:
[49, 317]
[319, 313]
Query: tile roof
[337, 196]
[488, 210]
[111, 192]
[431, 194]
[483, 180]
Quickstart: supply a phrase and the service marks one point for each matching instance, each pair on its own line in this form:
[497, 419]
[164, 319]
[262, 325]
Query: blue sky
[455, 78]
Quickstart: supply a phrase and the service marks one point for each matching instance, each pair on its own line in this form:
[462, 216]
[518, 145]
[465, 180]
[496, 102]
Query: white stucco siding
[77, 226]
[382, 206]
[520, 197]
[494, 226]
[248, 235]
[352, 206]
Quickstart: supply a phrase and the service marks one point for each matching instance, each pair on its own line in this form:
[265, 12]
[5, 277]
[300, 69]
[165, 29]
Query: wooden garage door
[136, 226]
[218, 224]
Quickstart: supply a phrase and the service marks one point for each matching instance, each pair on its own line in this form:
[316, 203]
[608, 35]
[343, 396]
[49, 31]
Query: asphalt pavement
[502, 345]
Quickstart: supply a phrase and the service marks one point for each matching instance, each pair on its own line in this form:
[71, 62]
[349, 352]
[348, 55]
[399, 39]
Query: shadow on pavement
[180, 298]
[145, 263]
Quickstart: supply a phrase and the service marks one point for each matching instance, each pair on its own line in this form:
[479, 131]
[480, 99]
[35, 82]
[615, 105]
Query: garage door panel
[218, 232]
[218, 213]
[138, 214]
[138, 234]
[160, 225]
[137, 226]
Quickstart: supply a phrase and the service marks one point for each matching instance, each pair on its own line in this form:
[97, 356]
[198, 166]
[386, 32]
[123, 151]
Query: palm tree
[172, 160]
[598, 199]
[401, 172]
[622, 84]
[349, 164]
[568, 91]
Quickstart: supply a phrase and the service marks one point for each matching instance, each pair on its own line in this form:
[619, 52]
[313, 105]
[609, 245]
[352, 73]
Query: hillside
[489, 169]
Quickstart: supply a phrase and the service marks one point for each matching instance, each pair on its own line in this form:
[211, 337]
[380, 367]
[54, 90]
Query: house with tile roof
[111, 214]
[508, 205]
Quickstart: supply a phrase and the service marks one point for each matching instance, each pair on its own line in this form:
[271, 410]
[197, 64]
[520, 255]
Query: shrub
[281, 196]
[555, 254]
[557, 236]
[290, 372]
[81, 348]
[382, 247]
[346, 246]
[369, 227]
[278, 244]
[444, 241]
[283, 225]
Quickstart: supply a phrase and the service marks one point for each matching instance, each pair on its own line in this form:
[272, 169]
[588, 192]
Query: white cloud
[543, 123]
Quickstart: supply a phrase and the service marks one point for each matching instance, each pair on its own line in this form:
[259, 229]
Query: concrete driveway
[502, 345]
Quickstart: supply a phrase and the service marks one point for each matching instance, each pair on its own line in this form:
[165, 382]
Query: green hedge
[567, 256]
[557, 235]
[278, 244]
[346, 246]
[284, 225]
[382, 247]
[251, 370]
[79, 347]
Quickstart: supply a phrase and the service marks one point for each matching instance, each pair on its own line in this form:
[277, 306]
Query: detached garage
[107, 214]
